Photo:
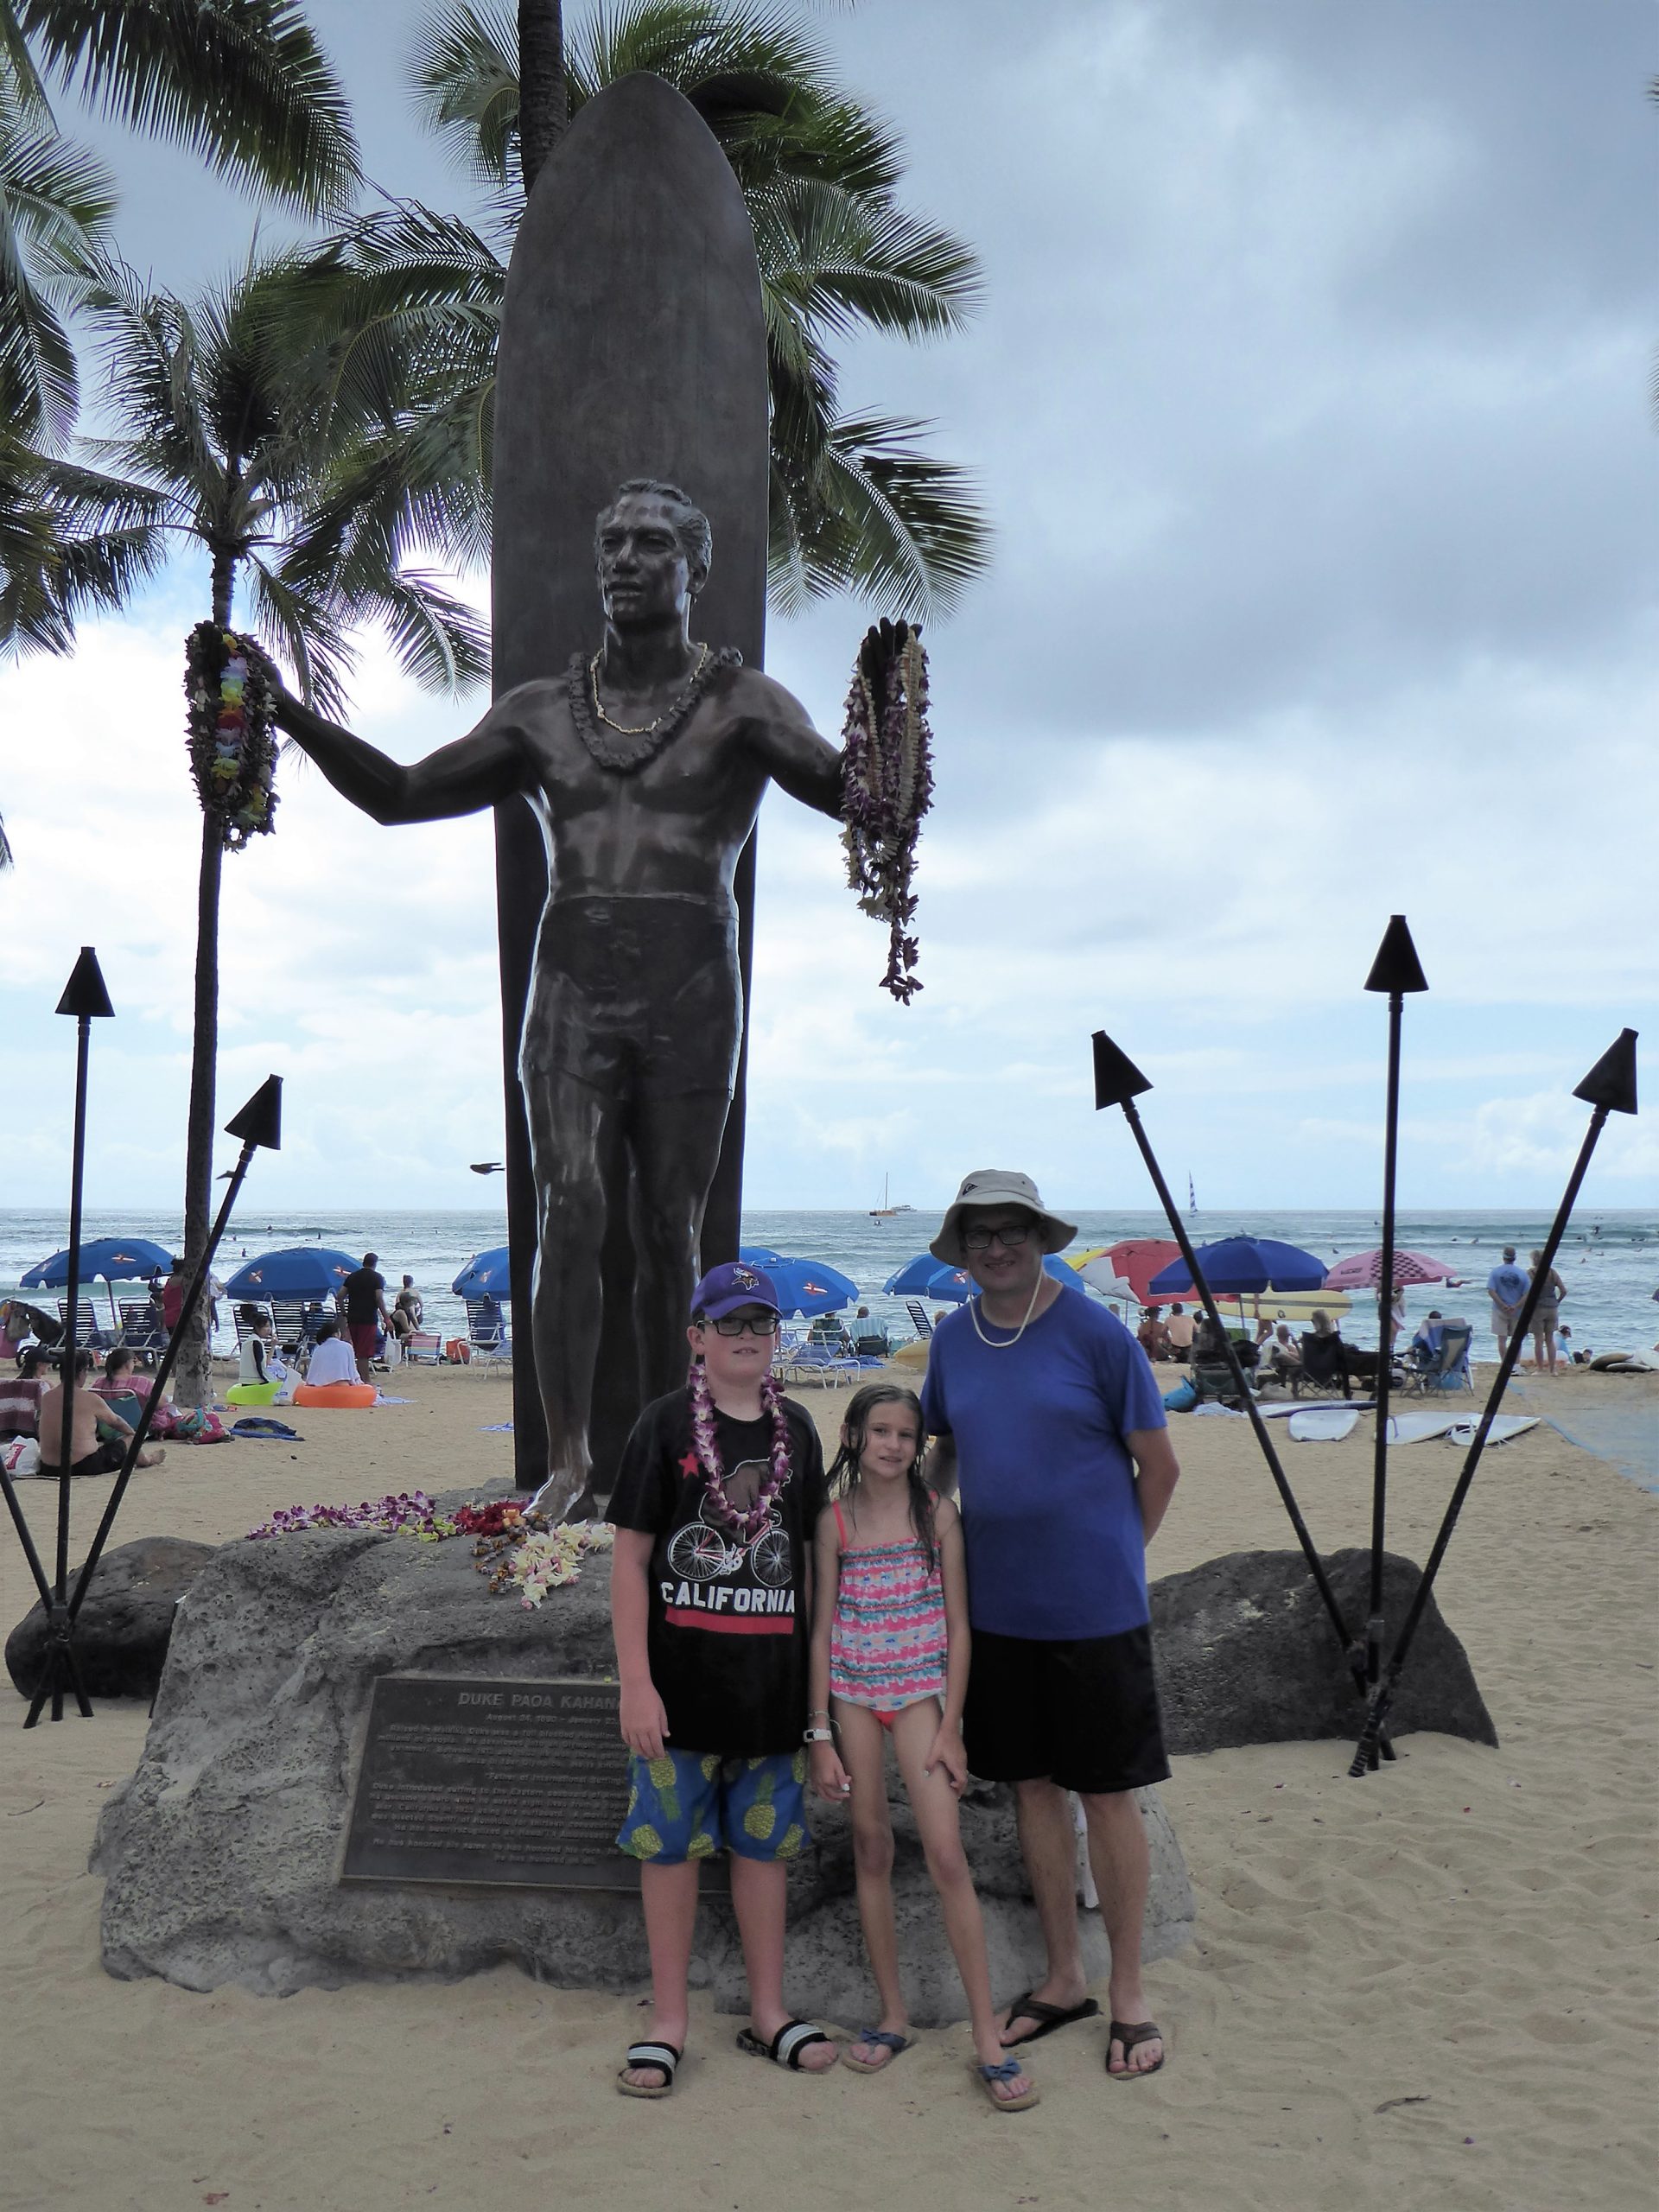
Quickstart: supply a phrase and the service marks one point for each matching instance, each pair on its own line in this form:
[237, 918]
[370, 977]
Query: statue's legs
[570, 1138]
[675, 1143]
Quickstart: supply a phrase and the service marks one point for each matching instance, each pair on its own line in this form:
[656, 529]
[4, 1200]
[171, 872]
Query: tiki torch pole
[1609, 1088]
[85, 999]
[259, 1124]
[1395, 970]
[1118, 1082]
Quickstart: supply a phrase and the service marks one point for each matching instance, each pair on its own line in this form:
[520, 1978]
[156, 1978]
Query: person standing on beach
[1045, 1412]
[1506, 1287]
[364, 1293]
[1545, 1316]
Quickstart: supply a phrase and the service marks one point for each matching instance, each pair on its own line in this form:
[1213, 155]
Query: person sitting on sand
[259, 1358]
[1152, 1335]
[88, 1414]
[123, 1379]
[1179, 1330]
[330, 1359]
[20, 1395]
[890, 1649]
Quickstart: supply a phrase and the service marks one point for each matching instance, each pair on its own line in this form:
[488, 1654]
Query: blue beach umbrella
[485, 1275]
[1244, 1264]
[298, 1271]
[804, 1287]
[104, 1259]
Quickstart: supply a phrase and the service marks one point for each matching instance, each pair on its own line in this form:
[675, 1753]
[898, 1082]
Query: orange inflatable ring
[334, 1394]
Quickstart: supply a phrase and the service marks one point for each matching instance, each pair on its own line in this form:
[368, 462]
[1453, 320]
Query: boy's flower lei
[746, 1527]
[232, 751]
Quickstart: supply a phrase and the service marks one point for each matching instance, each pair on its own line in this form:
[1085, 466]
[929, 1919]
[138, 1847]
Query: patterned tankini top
[888, 1639]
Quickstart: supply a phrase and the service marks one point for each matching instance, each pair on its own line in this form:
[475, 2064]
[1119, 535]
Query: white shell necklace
[1005, 1343]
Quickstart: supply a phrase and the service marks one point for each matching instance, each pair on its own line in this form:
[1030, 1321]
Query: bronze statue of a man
[646, 766]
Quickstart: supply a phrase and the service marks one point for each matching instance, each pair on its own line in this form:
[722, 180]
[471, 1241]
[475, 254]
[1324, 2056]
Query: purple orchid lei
[887, 787]
[746, 1527]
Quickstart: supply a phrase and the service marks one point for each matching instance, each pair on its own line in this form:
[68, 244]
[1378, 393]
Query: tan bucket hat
[997, 1186]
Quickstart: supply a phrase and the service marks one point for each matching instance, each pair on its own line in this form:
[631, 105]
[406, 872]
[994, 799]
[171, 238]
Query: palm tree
[228, 439]
[855, 504]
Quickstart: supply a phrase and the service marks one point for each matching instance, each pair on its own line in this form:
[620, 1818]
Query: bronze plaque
[475, 1779]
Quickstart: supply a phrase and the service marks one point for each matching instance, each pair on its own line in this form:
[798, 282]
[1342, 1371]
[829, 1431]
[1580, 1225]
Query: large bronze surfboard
[633, 343]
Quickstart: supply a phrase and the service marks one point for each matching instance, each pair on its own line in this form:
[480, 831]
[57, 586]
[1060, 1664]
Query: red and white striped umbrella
[1363, 1270]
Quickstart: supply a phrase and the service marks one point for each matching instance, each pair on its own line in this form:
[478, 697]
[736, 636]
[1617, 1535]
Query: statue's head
[651, 548]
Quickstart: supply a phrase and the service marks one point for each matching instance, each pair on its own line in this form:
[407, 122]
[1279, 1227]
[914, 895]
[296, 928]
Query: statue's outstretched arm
[796, 757]
[480, 769]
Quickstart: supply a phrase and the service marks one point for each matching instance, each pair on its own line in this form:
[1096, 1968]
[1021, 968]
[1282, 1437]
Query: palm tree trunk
[544, 102]
[194, 1386]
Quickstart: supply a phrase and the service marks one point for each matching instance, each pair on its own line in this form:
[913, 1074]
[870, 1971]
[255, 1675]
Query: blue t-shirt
[1050, 1517]
[1507, 1283]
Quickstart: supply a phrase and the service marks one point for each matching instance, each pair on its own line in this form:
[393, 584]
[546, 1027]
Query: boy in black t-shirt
[719, 1487]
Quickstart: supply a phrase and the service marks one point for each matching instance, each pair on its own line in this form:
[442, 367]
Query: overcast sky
[1309, 400]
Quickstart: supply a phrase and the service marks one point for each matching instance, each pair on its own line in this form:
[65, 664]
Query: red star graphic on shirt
[689, 1465]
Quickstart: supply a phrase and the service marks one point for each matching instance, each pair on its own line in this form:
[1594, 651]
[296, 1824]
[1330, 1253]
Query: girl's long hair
[843, 1471]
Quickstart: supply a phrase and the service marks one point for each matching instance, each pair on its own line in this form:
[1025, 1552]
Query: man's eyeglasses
[754, 1324]
[981, 1240]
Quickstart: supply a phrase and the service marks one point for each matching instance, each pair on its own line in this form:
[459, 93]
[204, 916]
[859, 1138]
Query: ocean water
[1610, 1260]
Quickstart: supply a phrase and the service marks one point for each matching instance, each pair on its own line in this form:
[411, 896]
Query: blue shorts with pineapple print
[691, 1804]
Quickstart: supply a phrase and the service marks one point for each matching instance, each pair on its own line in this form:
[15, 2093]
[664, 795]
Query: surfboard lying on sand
[1317, 1406]
[1506, 1427]
[1417, 1428]
[1324, 1425]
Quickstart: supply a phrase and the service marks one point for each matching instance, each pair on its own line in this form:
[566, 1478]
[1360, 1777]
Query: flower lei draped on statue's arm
[886, 788]
[746, 1527]
[233, 748]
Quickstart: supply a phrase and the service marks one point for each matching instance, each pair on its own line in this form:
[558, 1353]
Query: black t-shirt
[363, 1288]
[728, 1629]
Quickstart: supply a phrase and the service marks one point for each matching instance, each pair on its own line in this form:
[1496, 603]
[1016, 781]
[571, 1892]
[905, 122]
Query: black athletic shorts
[1081, 1711]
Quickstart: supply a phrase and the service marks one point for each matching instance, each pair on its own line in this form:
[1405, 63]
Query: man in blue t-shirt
[1045, 1414]
[1507, 1286]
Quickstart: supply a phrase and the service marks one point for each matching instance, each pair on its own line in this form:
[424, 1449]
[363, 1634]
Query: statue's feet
[566, 1496]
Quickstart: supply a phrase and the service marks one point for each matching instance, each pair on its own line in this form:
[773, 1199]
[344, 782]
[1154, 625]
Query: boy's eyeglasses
[754, 1324]
[981, 1240]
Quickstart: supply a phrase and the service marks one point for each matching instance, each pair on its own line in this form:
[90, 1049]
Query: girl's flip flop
[883, 2039]
[661, 2056]
[990, 2076]
[787, 2046]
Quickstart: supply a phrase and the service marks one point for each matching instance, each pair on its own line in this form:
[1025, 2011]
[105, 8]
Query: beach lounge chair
[486, 1333]
[813, 1362]
[88, 1335]
[297, 1322]
[1448, 1368]
[917, 1314]
[142, 1331]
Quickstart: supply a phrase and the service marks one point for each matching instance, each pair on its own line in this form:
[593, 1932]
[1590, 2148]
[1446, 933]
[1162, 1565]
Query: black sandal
[787, 2046]
[1047, 2016]
[662, 2056]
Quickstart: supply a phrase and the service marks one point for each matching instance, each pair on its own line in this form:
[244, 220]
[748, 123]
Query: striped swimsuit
[887, 1640]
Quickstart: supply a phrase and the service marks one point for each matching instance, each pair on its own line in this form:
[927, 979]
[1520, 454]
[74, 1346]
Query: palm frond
[439, 640]
[242, 83]
[55, 203]
[464, 73]
[300, 625]
[72, 543]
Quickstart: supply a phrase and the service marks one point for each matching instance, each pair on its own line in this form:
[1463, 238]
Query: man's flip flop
[662, 2057]
[787, 2046]
[1047, 2016]
[1131, 2035]
[990, 2076]
[887, 2040]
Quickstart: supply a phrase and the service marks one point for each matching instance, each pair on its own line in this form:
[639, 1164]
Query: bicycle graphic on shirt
[701, 1553]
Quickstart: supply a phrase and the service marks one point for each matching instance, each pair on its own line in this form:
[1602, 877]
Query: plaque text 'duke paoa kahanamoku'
[469, 1779]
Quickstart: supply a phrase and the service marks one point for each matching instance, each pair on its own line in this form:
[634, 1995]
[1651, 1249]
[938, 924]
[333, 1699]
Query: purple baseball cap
[734, 1283]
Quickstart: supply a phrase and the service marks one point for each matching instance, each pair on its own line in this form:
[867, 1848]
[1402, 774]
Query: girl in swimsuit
[890, 1652]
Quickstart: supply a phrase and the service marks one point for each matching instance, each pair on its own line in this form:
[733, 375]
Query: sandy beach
[1433, 1986]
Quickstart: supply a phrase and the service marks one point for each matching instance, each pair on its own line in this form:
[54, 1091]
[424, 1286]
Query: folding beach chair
[486, 1333]
[917, 1314]
[1449, 1369]
[423, 1343]
[1325, 1366]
